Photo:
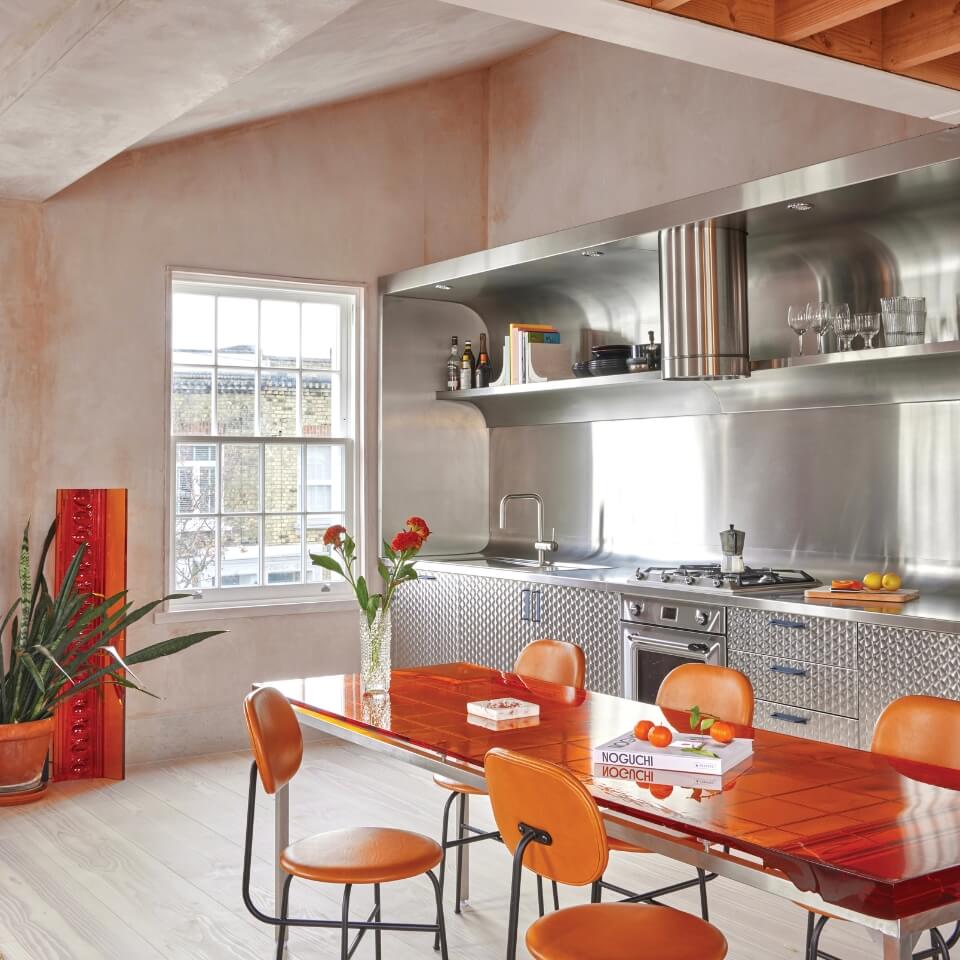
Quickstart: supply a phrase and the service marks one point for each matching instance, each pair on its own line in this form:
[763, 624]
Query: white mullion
[218, 522]
[262, 518]
[256, 371]
[215, 375]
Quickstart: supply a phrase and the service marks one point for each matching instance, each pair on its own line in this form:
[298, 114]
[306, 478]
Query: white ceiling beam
[682, 38]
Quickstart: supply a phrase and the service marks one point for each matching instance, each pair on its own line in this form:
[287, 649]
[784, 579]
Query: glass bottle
[481, 374]
[453, 366]
[467, 364]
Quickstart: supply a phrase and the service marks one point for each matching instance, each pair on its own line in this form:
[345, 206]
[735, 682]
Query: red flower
[333, 535]
[418, 525]
[407, 540]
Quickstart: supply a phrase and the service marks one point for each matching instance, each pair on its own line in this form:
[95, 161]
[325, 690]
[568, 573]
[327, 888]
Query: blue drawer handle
[789, 717]
[793, 624]
[788, 671]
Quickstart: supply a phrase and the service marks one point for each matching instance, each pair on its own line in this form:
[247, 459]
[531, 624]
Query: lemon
[873, 581]
[891, 582]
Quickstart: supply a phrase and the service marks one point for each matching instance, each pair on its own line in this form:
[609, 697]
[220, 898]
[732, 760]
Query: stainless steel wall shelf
[922, 373]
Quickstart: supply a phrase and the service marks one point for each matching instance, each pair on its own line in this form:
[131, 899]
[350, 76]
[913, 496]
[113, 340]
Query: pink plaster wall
[581, 130]
[345, 193]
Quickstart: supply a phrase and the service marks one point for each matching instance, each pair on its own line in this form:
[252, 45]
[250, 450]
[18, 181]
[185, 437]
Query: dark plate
[602, 368]
[611, 350]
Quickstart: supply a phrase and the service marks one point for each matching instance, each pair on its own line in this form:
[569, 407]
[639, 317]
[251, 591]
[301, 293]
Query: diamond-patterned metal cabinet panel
[492, 632]
[809, 724]
[897, 662]
[425, 618]
[810, 685]
[812, 639]
[590, 619]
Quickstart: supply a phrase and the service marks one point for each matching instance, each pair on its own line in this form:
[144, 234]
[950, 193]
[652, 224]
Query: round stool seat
[624, 931]
[457, 787]
[361, 855]
[623, 846]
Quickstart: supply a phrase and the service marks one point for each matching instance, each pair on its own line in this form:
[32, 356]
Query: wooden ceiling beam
[859, 41]
[798, 19]
[916, 32]
[945, 72]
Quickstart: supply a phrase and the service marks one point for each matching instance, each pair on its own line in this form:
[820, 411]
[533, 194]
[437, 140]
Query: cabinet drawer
[809, 724]
[802, 684]
[796, 636]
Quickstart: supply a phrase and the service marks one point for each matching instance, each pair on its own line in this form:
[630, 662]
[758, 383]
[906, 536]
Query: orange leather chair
[554, 661]
[719, 692]
[552, 826]
[362, 855]
[923, 730]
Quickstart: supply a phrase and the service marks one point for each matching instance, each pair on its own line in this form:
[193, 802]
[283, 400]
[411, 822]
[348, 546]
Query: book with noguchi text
[692, 753]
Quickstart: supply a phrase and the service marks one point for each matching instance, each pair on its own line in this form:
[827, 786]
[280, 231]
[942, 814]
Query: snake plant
[45, 664]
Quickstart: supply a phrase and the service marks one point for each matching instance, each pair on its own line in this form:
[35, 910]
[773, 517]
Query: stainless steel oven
[660, 633]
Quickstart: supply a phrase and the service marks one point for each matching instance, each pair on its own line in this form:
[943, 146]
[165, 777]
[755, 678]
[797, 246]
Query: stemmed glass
[819, 320]
[868, 326]
[846, 326]
[798, 323]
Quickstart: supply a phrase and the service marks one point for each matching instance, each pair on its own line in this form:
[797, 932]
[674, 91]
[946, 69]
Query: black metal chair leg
[284, 900]
[444, 831]
[815, 937]
[442, 932]
[704, 908]
[461, 813]
[556, 895]
[809, 939]
[376, 933]
[540, 895]
[938, 944]
[345, 930]
[596, 891]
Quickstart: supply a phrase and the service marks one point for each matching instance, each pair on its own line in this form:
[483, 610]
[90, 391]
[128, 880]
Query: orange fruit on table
[722, 732]
[660, 790]
[660, 737]
[642, 730]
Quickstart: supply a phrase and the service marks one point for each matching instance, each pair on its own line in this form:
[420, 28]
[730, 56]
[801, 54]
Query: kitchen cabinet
[499, 617]
[425, 618]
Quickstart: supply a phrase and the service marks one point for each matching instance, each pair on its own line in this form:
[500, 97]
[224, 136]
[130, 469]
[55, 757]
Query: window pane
[316, 525]
[237, 331]
[195, 553]
[283, 555]
[196, 478]
[322, 413]
[325, 478]
[236, 402]
[240, 551]
[321, 336]
[279, 333]
[192, 333]
[190, 403]
[278, 404]
[241, 478]
[281, 477]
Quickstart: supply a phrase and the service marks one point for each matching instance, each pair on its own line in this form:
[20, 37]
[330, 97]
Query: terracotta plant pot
[23, 750]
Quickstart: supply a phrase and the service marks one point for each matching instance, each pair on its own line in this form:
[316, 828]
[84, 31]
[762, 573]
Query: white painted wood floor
[150, 868]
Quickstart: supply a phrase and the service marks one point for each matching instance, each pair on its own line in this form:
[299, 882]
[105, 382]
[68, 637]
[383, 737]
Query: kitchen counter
[934, 611]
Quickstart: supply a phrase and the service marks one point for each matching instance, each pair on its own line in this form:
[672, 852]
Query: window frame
[281, 595]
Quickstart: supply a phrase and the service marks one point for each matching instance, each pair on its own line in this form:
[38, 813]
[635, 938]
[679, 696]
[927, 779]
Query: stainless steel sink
[532, 564]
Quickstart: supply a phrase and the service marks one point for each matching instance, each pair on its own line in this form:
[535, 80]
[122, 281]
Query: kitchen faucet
[540, 545]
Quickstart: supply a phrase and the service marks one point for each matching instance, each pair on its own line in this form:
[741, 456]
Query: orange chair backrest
[922, 729]
[721, 692]
[555, 661]
[274, 735]
[542, 795]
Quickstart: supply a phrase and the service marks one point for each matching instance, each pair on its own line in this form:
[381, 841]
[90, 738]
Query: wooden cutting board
[876, 596]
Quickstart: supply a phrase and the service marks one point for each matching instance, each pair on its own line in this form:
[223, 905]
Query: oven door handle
[640, 642]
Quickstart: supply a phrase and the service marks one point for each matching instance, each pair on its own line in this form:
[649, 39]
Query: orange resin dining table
[867, 838]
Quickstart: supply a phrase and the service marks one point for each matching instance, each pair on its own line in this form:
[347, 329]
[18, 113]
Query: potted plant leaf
[43, 667]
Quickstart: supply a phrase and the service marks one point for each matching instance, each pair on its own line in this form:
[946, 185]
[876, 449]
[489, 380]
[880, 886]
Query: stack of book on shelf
[532, 353]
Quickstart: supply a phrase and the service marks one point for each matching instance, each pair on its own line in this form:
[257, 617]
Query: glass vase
[375, 640]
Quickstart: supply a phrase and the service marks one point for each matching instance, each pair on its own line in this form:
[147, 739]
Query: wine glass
[868, 325]
[845, 325]
[798, 323]
[820, 320]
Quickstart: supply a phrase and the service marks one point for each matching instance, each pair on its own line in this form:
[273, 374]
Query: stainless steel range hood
[703, 301]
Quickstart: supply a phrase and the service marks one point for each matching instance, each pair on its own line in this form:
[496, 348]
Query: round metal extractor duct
[703, 302]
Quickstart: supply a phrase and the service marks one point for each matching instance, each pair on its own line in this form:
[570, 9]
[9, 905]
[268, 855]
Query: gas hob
[712, 576]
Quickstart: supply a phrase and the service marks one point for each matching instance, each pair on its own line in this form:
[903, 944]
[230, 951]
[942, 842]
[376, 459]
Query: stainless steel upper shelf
[927, 372]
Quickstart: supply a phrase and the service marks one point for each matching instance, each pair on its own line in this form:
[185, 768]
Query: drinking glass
[819, 320]
[904, 320]
[798, 323]
[868, 325]
[845, 325]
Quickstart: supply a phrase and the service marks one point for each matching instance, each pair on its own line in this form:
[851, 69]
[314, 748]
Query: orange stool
[552, 826]
[364, 855]
[719, 692]
[554, 661]
[925, 730]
